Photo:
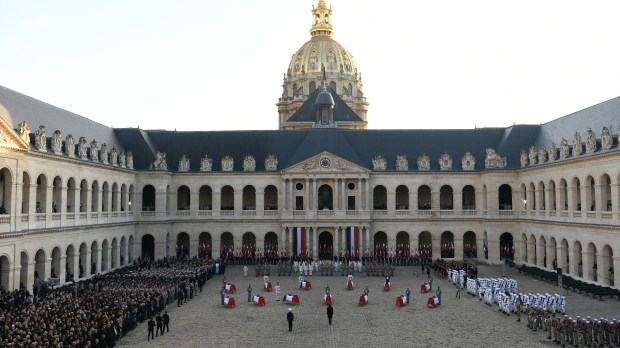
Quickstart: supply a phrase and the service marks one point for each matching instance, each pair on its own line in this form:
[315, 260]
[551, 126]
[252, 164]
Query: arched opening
[563, 199]
[95, 258]
[182, 245]
[228, 198]
[271, 245]
[55, 270]
[379, 197]
[25, 208]
[524, 248]
[105, 249]
[542, 244]
[249, 198]
[592, 258]
[130, 250]
[270, 199]
[524, 196]
[326, 199]
[71, 191]
[552, 198]
[403, 247]
[424, 198]
[106, 197]
[541, 196]
[576, 194]
[531, 200]
[470, 247]
[131, 198]
[577, 258]
[83, 261]
[565, 256]
[5, 272]
[606, 193]
[148, 198]
[183, 198]
[485, 206]
[168, 244]
[505, 197]
[123, 258]
[70, 264]
[447, 245]
[552, 257]
[6, 180]
[39, 265]
[123, 197]
[425, 246]
[227, 243]
[608, 265]
[205, 198]
[590, 194]
[25, 271]
[326, 240]
[57, 195]
[380, 243]
[507, 249]
[446, 198]
[249, 245]
[402, 198]
[204, 245]
[114, 197]
[312, 87]
[41, 204]
[148, 247]
[114, 254]
[168, 198]
[485, 245]
[469, 198]
[533, 250]
[332, 85]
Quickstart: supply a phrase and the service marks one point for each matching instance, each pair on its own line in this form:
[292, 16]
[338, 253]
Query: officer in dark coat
[290, 317]
[330, 313]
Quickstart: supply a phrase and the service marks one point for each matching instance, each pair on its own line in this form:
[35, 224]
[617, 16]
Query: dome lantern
[321, 20]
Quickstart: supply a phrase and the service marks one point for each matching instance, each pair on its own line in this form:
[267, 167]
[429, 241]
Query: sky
[218, 65]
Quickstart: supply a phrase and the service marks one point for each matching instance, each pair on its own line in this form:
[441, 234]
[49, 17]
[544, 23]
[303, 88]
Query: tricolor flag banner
[299, 240]
[353, 240]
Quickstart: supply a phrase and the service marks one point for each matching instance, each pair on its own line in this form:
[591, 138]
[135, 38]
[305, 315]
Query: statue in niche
[57, 142]
[184, 164]
[552, 152]
[24, 132]
[542, 154]
[564, 149]
[227, 163]
[249, 163]
[424, 162]
[160, 162]
[82, 148]
[113, 156]
[206, 164]
[379, 163]
[494, 160]
[591, 142]
[401, 163]
[533, 155]
[271, 163]
[606, 140]
[40, 139]
[468, 162]
[121, 159]
[70, 145]
[129, 160]
[445, 162]
[104, 153]
[524, 160]
[94, 151]
[577, 147]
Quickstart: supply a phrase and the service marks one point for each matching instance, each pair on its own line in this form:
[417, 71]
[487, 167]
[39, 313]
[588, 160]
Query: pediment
[325, 162]
[8, 136]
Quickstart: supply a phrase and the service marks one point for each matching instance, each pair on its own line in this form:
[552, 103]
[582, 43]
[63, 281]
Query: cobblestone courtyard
[465, 322]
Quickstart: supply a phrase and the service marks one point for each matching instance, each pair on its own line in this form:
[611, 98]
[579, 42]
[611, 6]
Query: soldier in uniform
[249, 292]
[278, 288]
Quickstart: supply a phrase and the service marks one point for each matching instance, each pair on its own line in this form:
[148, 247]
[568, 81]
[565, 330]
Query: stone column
[391, 201]
[216, 248]
[238, 200]
[493, 251]
[62, 272]
[194, 202]
[600, 204]
[458, 248]
[587, 265]
[359, 205]
[29, 281]
[615, 205]
[435, 196]
[47, 269]
[602, 272]
[413, 201]
[367, 195]
[457, 203]
[571, 199]
[32, 202]
[260, 203]
[343, 195]
[616, 262]
[216, 196]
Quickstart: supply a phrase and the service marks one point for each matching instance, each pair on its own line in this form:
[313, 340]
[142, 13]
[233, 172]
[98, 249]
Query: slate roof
[307, 113]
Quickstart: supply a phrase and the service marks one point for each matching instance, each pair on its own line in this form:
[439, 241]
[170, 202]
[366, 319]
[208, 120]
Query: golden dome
[322, 51]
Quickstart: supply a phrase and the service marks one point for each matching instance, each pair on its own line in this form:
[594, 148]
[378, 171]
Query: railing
[130, 214]
[542, 213]
[123, 215]
[563, 213]
[227, 212]
[506, 213]
[40, 217]
[25, 217]
[380, 212]
[248, 212]
[114, 215]
[577, 214]
[352, 213]
[591, 215]
[104, 215]
[446, 212]
[94, 215]
[5, 219]
[271, 213]
[147, 214]
[56, 216]
[70, 216]
[425, 213]
[469, 212]
[183, 213]
[325, 213]
[205, 213]
[299, 213]
[83, 216]
[606, 215]
[523, 213]
[552, 213]
[402, 212]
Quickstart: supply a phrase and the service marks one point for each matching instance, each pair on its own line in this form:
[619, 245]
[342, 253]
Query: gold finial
[321, 20]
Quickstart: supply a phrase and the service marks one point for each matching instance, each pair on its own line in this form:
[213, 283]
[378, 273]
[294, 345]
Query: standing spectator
[245, 271]
[166, 322]
[223, 294]
[249, 292]
[278, 288]
[438, 293]
[151, 334]
[160, 325]
[330, 313]
[290, 317]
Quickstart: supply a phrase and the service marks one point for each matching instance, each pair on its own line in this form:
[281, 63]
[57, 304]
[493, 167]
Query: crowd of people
[99, 311]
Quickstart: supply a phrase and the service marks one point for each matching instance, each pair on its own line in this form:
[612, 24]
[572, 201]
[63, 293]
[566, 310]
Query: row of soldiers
[579, 332]
[378, 268]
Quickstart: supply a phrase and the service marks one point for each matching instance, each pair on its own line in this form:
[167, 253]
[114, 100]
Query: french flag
[353, 240]
[299, 240]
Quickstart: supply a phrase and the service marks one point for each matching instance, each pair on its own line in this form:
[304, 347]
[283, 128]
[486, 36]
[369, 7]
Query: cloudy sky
[215, 65]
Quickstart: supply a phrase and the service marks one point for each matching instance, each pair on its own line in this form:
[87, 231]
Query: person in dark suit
[290, 317]
[151, 325]
[330, 313]
[166, 322]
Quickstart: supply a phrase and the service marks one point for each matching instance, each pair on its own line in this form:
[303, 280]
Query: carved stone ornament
[468, 162]
[523, 158]
[249, 163]
[129, 160]
[122, 159]
[70, 145]
[24, 132]
[114, 156]
[82, 148]
[324, 163]
[57, 142]
[494, 160]
[424, 162]
[379, 163]
[160, 163]
[577, 147]
[94, 151]
[564, 149]
[533, 155]
[552, 152]
[206, 164]
[401, 163]
[591, 142]
[104, 153]
[271, 163]
[606, 140]
[40, 139]
[184, 164]
[445, 162]
[227, 163]
[542, 154]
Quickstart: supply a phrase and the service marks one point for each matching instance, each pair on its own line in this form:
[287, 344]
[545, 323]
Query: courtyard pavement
[464, 322]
